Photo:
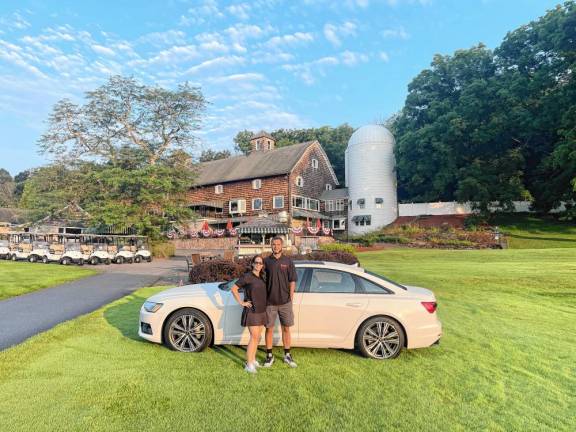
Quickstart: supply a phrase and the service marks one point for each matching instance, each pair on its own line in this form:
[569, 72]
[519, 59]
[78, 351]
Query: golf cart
[21, 246]
[124, 251]
[98, 249]
[143, 252]
[4, 247]
[40, 247]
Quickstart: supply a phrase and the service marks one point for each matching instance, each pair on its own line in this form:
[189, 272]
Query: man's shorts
[284, 312]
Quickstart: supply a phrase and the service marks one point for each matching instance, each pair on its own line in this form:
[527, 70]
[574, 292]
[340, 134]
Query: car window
[331, 281]
[300, 272]
[372, 288]
[396, 284]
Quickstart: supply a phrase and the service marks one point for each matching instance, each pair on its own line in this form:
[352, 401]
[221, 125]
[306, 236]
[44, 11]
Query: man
[281, 281]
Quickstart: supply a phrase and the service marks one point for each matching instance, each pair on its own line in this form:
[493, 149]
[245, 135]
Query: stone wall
[217, 243]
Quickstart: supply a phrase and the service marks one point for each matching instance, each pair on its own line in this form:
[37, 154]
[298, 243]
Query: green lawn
[534, 232]
[17, 278]
[506, 362]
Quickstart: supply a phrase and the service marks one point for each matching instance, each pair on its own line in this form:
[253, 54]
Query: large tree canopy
[488, 126]
[333, 140]
[123, 156]
[124, 114]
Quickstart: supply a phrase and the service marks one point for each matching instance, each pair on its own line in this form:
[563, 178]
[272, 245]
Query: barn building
[266, 192]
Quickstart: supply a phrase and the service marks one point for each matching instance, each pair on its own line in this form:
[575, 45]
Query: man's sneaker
[269, 361]
[257, 364]
[250, 368]
[288, 360]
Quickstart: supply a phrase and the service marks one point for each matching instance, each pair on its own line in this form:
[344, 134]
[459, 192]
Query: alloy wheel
[187, 333]
[381, 340]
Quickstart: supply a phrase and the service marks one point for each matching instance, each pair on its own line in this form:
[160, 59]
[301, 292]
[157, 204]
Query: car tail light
[430, 306]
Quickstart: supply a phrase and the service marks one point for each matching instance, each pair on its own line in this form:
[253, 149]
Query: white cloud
[216, 62]
[169, 37]
[240, 11]
[307, 71]
[201, 13]
[350, 58]
[334, 33]
[14, 21]
[384, 56]
[174, 55]
[100, 49]
[289, 39]
[251, 76]
[396, 33]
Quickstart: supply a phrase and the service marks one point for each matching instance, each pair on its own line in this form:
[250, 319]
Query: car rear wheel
[380, 338]
[45, 259]
[137, 259]
[120, 260]
[188, 330]
[14, 257]
[81, 262]
[32, 258]
[94, 260]
[65, 261]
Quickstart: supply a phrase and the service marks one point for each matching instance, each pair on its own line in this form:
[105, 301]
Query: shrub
[334, 256]
[215, 271]
[163, 249]
[343, 247]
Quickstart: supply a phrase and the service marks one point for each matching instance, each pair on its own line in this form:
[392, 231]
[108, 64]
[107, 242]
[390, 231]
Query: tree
[6, 189]
[123, 114]
[210, 155]
[242, 141]
[123, 156]
[19, 182]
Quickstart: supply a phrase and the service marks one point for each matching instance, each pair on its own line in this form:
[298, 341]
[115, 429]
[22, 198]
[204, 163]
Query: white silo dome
[371, 179]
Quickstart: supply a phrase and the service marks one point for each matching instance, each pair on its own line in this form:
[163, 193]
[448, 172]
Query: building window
[299, 181]
[237, 206]
[329, 205]
[361, 203]
[313, 204]
[256, 184]
[326, 224]
[328, 186]
[379, 203]
[298, 201]
[218, 189]
[350, 204]
[257, 204]
[278, 201]
[339, 224]
[339, 205]
[364, 220]
[315, 163]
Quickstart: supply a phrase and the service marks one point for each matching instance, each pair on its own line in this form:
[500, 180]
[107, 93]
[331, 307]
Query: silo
[371, 179]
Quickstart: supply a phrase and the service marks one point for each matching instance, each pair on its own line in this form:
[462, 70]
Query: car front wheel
[187, 330]
[380, 338]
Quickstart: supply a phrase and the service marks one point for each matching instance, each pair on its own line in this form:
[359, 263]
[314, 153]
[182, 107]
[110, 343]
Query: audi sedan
[335, 306]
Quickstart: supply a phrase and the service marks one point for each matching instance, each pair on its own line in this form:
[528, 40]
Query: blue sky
[263, 64]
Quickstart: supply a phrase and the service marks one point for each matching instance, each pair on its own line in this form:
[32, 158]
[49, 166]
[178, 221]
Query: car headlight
[152, 306]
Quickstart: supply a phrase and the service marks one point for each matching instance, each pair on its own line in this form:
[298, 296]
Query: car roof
[329, 264]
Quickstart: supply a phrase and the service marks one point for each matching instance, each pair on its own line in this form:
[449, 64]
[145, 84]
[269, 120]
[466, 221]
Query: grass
[17, 278]
[533, 232]
[506, 362]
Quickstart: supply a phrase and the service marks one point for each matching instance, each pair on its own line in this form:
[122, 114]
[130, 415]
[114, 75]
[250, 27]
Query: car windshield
[386, 279]
[100, 247]
[227, 286]
[40, 245]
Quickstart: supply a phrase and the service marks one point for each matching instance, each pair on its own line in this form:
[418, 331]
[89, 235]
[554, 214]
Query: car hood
[423, 293]
[196, 290]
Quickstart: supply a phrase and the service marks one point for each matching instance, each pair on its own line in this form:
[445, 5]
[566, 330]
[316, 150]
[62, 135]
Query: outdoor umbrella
[229, 225]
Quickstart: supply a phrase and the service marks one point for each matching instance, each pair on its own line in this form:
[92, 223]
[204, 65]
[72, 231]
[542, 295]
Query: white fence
[454, 208]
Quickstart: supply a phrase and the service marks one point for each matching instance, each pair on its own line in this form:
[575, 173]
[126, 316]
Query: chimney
[262, 141]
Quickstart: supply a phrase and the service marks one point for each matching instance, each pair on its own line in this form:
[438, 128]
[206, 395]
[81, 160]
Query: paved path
[24, 316]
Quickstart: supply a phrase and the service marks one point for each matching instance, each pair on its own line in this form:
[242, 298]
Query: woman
[254, 313]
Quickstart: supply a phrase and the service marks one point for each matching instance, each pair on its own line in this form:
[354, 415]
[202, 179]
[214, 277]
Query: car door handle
[354, 304]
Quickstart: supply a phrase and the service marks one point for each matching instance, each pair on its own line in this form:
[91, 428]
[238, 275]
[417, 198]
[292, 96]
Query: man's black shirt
[279, 273]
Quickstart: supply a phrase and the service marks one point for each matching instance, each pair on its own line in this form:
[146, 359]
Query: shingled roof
[255, 165]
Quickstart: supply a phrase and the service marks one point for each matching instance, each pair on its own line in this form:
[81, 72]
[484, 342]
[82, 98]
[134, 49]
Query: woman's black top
[254, 291]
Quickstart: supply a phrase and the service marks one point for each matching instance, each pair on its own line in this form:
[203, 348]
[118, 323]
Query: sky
[262, 64]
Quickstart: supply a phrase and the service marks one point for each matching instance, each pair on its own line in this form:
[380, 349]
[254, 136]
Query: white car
[335, 306]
